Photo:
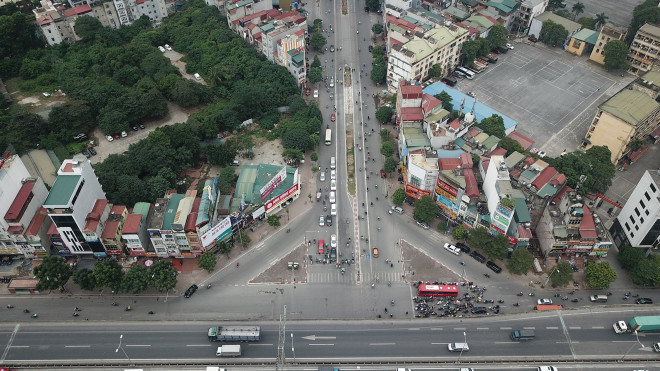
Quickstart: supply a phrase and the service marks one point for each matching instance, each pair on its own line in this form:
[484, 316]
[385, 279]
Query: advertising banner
[266, 190]
[217, 233]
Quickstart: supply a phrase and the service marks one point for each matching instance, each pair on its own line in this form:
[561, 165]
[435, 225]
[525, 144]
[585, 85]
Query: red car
[532, 39]
[333, 117]
[308, 92]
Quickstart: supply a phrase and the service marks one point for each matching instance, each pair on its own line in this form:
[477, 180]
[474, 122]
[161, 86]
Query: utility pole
[281, 357]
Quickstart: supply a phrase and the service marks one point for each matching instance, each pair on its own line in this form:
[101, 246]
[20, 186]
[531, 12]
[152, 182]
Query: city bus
[549, 307]
[437, 291]
[328, 137]
[469, 74]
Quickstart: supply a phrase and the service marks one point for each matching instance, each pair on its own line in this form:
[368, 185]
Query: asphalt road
[560, 336]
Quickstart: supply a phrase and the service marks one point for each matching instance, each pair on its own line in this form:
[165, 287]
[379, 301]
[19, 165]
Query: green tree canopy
[296, 139]
[600, 19]
[136, 279]
[600, 275]
[496, 36]
[398, 197]
[577, 9]
[435, 72]
[561, 275]
[372, 4]
[493, 125]
[315, 74]
[497, 248]
[84, 278]
[646, 12]
[378, 70]
[317, 41]
[53, 273]
[87, 27]
[446, 99]
[273, 220]
[645, 272]
[587, 22]
[384, 114]
[629, 257]
[163, 275]
[207, 261]
[107, 273]
[387, 149]
[460, 232]
[553, 34]
[510, 145]
[377, 28]
[390, 165]
[593, 166]
[479, 238]
[521, 261]
[616, 52]
[425, 209]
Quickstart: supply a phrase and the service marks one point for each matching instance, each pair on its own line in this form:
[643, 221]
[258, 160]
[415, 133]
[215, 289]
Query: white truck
[228, 351]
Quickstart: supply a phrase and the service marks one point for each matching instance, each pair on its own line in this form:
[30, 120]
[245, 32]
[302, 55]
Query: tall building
[608, 33]
[638, 223]
[644, 49]
[69, 202]
[528, 10]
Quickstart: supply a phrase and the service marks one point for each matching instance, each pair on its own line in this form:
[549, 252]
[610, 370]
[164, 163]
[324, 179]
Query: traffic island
[281, 272]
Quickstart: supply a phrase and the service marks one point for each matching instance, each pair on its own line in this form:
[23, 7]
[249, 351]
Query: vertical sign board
[266, 190]
[218, 233]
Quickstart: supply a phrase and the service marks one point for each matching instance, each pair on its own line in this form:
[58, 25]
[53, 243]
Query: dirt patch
[281, 273]
[421, 267]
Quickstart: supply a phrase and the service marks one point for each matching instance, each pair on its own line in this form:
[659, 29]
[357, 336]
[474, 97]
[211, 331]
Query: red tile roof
[410, 91]
[560, 194]
[523, 140]
[110, 230]
[499, 151]
[78, 10]
[471, 187]
[546, 175]
[455, 125]
[529, 161]
[44, 20]
[558, 180]
[138, 2]
[52, 231]
[587, 225]
[448, 163]
[524, 232]
[132, 224]
[466, 160]
[412, 114]
[36, 223]
[190, 222]
[118, 209]
[515, 173]
[429, 103]
[94, 216]
[17, 205]
[474, 132]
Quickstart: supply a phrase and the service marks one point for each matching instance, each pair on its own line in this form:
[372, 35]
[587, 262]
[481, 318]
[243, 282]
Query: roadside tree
[390, 165]
[616, 52]
[460, 232]
[207, 261]
[316, 62]
[53, 273]
[493, 125]
[644, 272]
[315, 140]
[244, 239]
[600, 19]
[315, 75]
[384, 114]
[377, 28]
[372, 4]
[314, 156]
[554, 4]
[225, 247]
[293, 155]
[317, 41]
[84, 278]
[387, 149]
[108, 273]
[577, 9]
[425, 209]
[497, 247]
[600, 275]
[561, 275]
[378, 71]
[587, 22]
[443, 226]
[553, 34]
[496, 36]
[398, 197]
[163, 275]
[385, 135]
[479, 238]
[136, 280]
[436, 72]
[273, 220]
[521, 261]
[510, 145]
[469, 53]
[296, 139]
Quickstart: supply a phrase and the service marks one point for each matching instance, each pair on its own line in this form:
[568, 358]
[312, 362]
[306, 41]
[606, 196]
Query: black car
[134, 127]
[465, 248]
[494, 267]
[328, 220]
[141, 125]
[84, 152]
[92, 151]
[191, 290]
[478, 257]
[644, 301]
[333, 255]
[80, 137]
[479, 310]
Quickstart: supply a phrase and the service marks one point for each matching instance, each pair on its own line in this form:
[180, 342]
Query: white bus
[328, 137]
[469, 74]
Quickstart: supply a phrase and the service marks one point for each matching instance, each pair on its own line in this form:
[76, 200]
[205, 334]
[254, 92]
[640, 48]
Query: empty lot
[552, 94]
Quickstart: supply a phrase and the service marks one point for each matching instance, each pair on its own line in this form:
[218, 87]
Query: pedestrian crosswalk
[350, 278]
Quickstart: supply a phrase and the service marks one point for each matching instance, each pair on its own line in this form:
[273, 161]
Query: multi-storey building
[607, 33]
[238, 9]
[644, 49]
[413, 60]
[528, 10]
[105, 12]
[638, 223]
[112, 233]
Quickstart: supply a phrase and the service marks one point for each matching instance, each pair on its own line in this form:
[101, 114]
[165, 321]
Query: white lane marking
[20, 346]
[254, 345]
[459, 328]
[414, 329]
[505, 328]
[76, 346]
[597, 327]
[137, 345]
[552, 328]
[482, 328]
[199, 345]
[379, 344]
[529, 328]
[321, 344]
[567, 342]
[439, 343]
[574, 328]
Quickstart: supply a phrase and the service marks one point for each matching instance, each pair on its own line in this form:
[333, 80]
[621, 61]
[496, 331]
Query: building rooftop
[170, 212]
[524, 141]
[62, 191]
[254, 177]
[21, 198]
[631, 106]
[110, 230]
[36, 223]
[78, 10]
[650, 29]
[94, 216]
[132, 224]
[587, 35]
[569, 25]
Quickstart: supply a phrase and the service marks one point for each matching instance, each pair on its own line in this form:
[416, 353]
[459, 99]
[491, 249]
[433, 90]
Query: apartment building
[528, 10]
[644, 49]
[238, 9]
[638, 223]
[413, 60]
[607, 33]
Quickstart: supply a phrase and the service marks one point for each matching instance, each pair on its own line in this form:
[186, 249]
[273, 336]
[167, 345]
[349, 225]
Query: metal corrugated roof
[631, 106]
[62, 190]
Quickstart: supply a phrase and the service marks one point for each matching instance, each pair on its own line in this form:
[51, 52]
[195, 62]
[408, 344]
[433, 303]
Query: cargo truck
[645, 324]
[519, 335]
[234, 333]
[228, 351]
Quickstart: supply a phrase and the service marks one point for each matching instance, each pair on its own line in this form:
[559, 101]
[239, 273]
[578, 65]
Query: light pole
[122, 349]
[293, 351]
[462, 348]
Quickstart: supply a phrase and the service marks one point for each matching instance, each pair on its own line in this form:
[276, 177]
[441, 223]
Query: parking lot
[552, 94]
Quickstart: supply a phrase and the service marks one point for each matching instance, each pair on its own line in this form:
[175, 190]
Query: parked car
[322, 177]
[134, 127]
[116, 135]
[333, 185]
[109, 138]
[321, 221]
[333, 209]
[92, 151]
[532, 39]
[478, 257]
[308, 91]
[333, 174]
[161, 49]
[479, 310]
[423, 225]
[494, 267]
[374, 252]
[80, 137]
[124, 134]
[509, 46]
[644, 301]
[333, 255]
[86, 153]
[465, 248]
[168, 47]
[316, 93]
[141, 125]
[191, 290]
[544, 301]
[333, 117]
[328, 220]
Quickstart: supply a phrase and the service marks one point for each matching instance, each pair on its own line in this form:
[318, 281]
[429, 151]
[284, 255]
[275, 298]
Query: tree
[384, 114]
[207, 261]
[496, 36]
[385, 135]
[317, 41]
[553, 34]
[600, 275]
[521, 261]
[87, 27]
[398, 197]
[293, 155]
[273, 220]
[136, 280]
[372, 4]
[616, 52]
[377, 28]
[469, 53]
[460, 232]
[296, 138]
[378, 71]
[390, 165]
[510, 145]
[163, 275]
[554, 4]
[435, 72]
[564, 13]
[314, 156]
[561, 275]
[479, 238]
[600, 20]
[587, 22]
[443, 226]
[107, 273]
[497, 248]
[18, 34]
[225, 248]
[646, 12]
[425, 209]
[594, 164]
[315, 74]
[493, 125]
[644, 273]
[244, 239]
[445, 98]
[316, 62]
[577, 9]
[84, 278]
[387, 149]
[315, 140]
[53, 273]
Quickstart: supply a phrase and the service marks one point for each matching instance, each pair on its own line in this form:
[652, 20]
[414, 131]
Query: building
[420, 172]
[265, 189]
[537, 25]
[239, 9]
[638, 223]
[528, 10]
[506, 10]
[629, 115]
[608, 32]
[582, 42]
[112, 233]
[413, 60]
[69, 202]
[644, 49]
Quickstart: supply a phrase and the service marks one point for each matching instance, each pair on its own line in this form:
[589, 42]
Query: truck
[228, 351]
[492, 58]
[645, 324]
[519, 335]
[235, 333]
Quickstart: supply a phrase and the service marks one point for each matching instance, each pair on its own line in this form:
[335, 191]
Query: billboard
[217, 233]
[276, 200]
[266, 190]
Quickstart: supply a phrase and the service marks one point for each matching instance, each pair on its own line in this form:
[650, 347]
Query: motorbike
[34, 315]
[75, 314]
[501, 301]
[26, 311]
[519, 294]
[531, 294]
[76, 309]
[392, 302]
[516, 304]
[9, 306]
[574, 300]
[127, 309]
[151, 312]
[208, 286]
[114, 304]
[486, 275]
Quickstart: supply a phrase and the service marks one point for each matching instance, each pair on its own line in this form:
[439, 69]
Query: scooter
[519, 294]
[75, 314]
[9, 306]
[34, 315]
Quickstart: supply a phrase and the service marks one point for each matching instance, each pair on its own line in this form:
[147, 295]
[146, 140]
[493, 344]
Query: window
[637, 212]
[641, 220]
[646, 212]
[648, 198]
[637, 228]
[653, 189]
[415, 181]
[627, 227]
[632, 220]
[642, 203]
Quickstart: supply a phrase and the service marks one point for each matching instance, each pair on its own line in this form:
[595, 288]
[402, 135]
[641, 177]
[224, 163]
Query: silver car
[323, 176]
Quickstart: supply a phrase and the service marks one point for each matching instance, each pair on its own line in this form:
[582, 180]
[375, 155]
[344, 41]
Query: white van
[458, 347]
[332, 197]
[197, 76]
[332, 82]
[333, 164]
[599, 298]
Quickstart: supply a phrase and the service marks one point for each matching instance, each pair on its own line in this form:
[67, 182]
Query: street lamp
[122, 349]
[462, 348]
[292, 349]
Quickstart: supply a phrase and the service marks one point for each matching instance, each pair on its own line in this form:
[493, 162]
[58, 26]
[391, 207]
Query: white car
[620, 327]
[333, 209]
[124, 134]
[333, 197]
[452, 249]
[509, 46]
[161, 49]
[333, 185]
[544, 301]
[542, 154]
[316, 93]
[547, 368]
[321, 221]
[333, 241]
[109, 138]
[197, 76]
[168, 47]
[322, 176]
[333, 174]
